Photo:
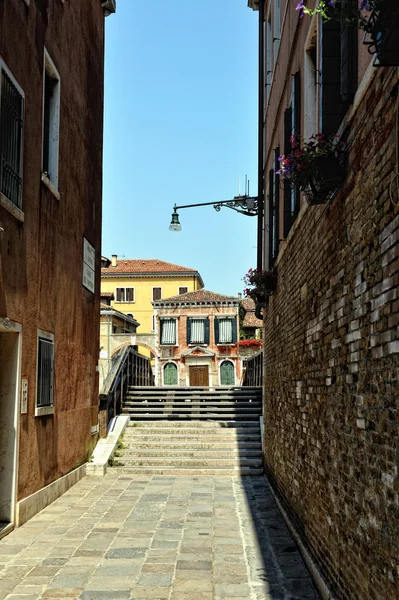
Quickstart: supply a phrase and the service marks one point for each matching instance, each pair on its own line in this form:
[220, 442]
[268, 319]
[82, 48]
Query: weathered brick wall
[332, 365]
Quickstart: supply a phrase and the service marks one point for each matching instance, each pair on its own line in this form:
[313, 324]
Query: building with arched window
[196, 337]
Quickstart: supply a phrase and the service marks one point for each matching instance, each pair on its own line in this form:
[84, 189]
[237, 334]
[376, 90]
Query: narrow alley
[137, 537]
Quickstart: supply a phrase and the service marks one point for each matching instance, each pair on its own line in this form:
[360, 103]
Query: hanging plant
[379, 19]
[314, 166]
[259, 285]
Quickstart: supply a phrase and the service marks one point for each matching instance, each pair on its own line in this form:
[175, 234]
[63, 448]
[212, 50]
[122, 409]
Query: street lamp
[244, 204]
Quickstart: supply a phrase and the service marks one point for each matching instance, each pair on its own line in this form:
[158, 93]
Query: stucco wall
[41, 258]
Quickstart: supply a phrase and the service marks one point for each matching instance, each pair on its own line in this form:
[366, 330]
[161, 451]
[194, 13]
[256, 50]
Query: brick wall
[332, 365]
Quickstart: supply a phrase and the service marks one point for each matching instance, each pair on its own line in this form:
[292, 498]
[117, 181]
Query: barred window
[45, 373]
[11, 139]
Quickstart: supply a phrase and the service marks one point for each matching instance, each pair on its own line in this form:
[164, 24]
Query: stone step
[167, 408]
[230, 426]
[197, 389]
[188, 471]
[138, 415]
[186, 461]
[184, 443]
[191, 439]
[190, 453]
[188, 404]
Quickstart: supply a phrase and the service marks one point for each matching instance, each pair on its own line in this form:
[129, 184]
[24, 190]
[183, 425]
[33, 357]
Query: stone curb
[105, 447]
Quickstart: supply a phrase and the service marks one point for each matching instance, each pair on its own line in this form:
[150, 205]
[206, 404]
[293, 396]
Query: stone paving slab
[156, 537]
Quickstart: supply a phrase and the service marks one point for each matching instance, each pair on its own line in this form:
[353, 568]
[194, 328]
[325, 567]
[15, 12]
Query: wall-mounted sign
[24, 397]
[89, 262]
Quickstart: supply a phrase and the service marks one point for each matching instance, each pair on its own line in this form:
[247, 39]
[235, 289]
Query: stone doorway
[199, 376]
[9, 394]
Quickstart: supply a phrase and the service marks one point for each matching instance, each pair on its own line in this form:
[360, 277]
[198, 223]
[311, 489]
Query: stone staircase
[192, 431]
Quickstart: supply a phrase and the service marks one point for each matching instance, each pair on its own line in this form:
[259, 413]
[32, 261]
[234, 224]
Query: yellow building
[139, 282]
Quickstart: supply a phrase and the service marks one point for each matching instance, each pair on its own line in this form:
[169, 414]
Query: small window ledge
[42, 411]
[11, 208]
[50, 186]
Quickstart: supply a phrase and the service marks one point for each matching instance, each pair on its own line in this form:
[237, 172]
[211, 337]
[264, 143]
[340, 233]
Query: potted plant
[259, 284]
[314, 166]
[379, 19]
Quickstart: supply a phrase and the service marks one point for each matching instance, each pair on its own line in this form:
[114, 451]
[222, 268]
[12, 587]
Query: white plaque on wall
[24, 397]
[89, 262]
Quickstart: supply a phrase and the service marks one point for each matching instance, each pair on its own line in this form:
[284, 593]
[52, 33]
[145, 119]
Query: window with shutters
[274, 208]
[276, 29]
[45, 374]
[168, 332]
[197, 331]
[11, 137]
[310, 83]
[51, 120]
[292, 127]
[225, 330]
[156, 293]
[170, 374]
[124, 294]
[269, 54]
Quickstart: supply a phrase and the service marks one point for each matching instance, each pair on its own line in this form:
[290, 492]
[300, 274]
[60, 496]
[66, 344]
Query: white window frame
[4, 200]
[44, 410]
[156, 287]
[125, 301]
[176, 332]
[197, 318]
[183, 287]
[50, 177]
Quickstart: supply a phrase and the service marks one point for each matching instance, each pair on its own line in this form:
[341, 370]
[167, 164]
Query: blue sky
[181, 127]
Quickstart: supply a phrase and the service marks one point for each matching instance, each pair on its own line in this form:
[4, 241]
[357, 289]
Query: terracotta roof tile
[107, 295]
[251, 321]
[146, 266]
[200, 296]
[248, 304]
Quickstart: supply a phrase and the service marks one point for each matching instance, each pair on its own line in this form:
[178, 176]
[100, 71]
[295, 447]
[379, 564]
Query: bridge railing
[129, 368]
[253, 370]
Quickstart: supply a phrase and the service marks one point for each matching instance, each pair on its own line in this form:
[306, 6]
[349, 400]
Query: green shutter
[170, 374]
[216, 328]
[206, 333]
[234, 331]
[227, 373]
[188, 331]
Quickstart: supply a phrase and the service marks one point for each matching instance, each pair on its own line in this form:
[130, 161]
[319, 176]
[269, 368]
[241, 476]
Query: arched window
[227, 373]
[170, 374]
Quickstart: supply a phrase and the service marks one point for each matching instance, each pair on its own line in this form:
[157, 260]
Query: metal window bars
[45, 373]
[11, 129]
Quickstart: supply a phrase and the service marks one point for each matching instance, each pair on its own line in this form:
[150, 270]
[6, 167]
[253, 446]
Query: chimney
[239, 295]
[114, 260]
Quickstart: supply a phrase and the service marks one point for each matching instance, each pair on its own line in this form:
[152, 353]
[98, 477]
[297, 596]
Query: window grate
[11, 128]
[45, 373]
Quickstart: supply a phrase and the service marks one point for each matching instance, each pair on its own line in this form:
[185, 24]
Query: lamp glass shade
[175, 223]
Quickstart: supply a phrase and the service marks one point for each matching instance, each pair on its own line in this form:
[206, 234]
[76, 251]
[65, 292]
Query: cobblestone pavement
[140, 537]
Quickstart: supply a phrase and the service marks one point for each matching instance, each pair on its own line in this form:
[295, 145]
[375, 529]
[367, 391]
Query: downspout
[261, 86]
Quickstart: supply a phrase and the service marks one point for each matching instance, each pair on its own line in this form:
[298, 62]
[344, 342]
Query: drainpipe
[261, 86]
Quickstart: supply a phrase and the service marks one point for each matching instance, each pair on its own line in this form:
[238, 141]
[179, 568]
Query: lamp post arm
[238, 203]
